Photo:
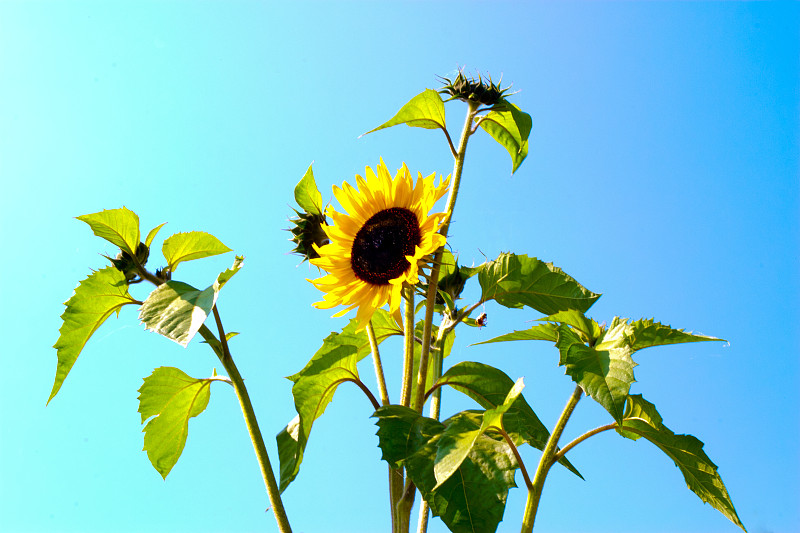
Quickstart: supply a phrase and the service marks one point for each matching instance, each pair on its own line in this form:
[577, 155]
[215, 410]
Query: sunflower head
[378, 244]
[480, 90]
[307, 232]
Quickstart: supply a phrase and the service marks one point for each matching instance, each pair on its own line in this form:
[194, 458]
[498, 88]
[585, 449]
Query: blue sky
[663, 172]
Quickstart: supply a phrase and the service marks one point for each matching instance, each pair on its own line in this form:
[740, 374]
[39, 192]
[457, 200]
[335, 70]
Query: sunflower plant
[386, 257]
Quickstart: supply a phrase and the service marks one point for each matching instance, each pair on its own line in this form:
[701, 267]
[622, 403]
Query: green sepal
[700, 473]
[515, 281]
[510, 127]
[314, 386]
[102, 293]
[171, 398]
[426, 110]
[120, 227]
[473, 498]
[176, 310]
[307, 195]
[490, 388]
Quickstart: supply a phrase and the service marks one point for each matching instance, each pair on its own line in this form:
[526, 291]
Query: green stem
[376, 360]
[433, 282]
[547, 460]
[408, 347]
[563, 451]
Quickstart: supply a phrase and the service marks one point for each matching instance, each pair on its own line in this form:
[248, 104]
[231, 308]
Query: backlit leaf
[539, 332]
[171, 398]
[118, 226]
[700, 473]
[192, 245]
[314, 386]
[177, 310]
[307, 195]
[645, 333]
[605, 372]
[510, 127]
[473, 498]
[426, 110]
[152, 235]
[518, 280]
[95, 298]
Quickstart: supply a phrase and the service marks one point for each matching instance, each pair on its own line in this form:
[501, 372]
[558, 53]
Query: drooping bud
[307, 231]
[125, 263]
[480, 90]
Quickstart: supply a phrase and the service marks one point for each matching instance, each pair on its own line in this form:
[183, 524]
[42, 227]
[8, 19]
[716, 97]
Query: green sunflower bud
[480, 90]
[306, 232]
[125, 263]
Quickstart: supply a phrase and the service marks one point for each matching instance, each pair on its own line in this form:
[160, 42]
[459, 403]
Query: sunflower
[377, 248]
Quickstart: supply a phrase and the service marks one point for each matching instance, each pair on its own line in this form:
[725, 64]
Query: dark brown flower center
[380, 246]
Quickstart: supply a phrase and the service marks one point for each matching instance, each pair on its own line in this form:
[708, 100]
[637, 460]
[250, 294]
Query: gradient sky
[663, 172]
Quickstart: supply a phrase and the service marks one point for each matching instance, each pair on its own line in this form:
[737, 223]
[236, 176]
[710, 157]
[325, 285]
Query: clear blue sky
[663, 172]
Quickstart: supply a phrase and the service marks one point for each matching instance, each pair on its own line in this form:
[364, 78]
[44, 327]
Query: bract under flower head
[378, 245]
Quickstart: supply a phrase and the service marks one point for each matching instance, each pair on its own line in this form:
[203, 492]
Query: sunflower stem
[458, 167]
[408, 348]
[376, 360]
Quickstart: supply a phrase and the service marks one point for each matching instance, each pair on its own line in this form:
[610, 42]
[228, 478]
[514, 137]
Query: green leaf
[490, 388]
[152, 235]
[517, 280]
[588, 327]
[645, 333]
[172, 398]
[95, 298]
[539, 332]
[426, 110]
[192, 245]
[307, 195]
[472, 499]
[510, 127]
[120, 227]
[642, 420]
[314, 386]
[177, 310]
[605, 372]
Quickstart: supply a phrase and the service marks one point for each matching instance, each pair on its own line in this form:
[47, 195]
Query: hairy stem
[563, 451]
[408, 347]
[547, 460]
[376, 361]
[437, 259]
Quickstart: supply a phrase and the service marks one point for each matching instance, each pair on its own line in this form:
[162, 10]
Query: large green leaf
[642, 420]
[177, 310]
[518, 280]
[426, 110]
[605, 372]
[118, 226]
[473, 498]
[490, 387]
[539, 332]
[314, 386]
[192, 245]
[95, 298]
[171, 398]
[510, 127]
[645, 333]
[307, 195]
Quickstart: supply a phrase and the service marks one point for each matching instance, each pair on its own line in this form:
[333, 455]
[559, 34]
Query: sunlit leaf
[605, 372]
[518, 280]
[426, 110]
[152, 235]
[118, 226]
[472, 499]
[192, 245]
[314, 386]
[539, 332]
[645, 333]
[642, 420]
[95, 298]
[177, 310]
[307, 195]
[510, 127]
[490, 388]
[172, 398]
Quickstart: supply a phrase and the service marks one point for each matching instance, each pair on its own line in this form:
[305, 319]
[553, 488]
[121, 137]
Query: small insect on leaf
[482, 320]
